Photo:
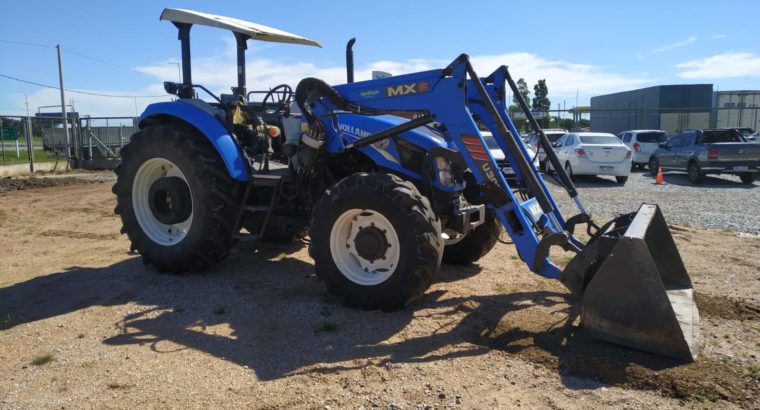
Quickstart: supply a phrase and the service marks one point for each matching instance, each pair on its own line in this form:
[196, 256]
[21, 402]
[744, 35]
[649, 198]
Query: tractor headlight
[445, 175]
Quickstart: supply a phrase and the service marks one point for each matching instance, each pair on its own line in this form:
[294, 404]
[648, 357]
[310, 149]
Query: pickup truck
[709, 151]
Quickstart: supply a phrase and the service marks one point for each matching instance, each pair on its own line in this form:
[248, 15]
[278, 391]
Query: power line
[76, 53]
[79, 91]
[21, 43]
[101, 61]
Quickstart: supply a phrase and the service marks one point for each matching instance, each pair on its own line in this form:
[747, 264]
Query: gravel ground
[721, 202]
[83, 324]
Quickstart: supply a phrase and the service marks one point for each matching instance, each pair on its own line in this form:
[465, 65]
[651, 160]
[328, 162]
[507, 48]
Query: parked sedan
[593, 153]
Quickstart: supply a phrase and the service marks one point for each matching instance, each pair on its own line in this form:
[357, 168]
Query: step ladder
[271, 182]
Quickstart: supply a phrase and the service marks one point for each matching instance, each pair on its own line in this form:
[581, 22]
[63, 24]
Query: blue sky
[594, 47]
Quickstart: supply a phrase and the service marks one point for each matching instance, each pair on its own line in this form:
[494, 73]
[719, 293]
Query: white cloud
[718, 36]
[563, 78]
[677, 44]
[726, 65]
[216, 71]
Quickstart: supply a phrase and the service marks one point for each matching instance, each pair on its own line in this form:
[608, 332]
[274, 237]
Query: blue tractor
[389, 178]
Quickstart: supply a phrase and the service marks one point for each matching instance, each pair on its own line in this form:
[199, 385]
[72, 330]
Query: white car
[498, 155]
[643, 143]
[593, 153]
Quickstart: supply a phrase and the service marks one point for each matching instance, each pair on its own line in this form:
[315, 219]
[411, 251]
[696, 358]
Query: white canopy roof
[253, 30]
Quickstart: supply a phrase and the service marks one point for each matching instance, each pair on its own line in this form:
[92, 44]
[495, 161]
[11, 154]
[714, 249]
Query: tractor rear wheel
[475, 244]
[375, 241]
[176, 200]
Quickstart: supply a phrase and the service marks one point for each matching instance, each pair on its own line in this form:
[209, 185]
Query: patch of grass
[686, 224]
[514, 257]
[43, 359]
[220, 310]
[500, 288]
[704, 396]
[8, 320]
[725, 359]
[326, 326]
[39, 156]
[753, 372]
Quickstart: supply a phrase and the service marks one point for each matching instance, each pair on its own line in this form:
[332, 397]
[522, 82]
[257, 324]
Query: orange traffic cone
[658, 180]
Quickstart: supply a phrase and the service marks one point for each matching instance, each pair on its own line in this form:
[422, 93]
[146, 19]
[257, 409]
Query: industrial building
[736, 109]
[671, 108]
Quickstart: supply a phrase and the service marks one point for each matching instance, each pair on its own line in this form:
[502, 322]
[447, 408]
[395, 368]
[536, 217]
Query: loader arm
[629, 276]
[446, 96]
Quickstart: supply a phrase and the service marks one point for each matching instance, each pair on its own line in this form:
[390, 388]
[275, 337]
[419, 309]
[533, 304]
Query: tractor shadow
[264, 309]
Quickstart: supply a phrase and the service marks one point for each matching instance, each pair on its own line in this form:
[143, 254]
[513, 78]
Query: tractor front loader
[391, 177]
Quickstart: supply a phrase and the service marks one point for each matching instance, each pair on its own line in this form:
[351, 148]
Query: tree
[522, 87]
[540, 98]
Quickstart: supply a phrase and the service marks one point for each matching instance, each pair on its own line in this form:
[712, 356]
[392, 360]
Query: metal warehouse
[736, 109]
[671, 108]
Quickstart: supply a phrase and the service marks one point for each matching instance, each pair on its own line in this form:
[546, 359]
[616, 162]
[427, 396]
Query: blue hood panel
[352, 127]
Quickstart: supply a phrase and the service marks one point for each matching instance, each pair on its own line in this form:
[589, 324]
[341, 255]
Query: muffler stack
[634, 288]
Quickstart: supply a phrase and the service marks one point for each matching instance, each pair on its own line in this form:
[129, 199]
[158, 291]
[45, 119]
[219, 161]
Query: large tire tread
[215, 198]
[417, 272]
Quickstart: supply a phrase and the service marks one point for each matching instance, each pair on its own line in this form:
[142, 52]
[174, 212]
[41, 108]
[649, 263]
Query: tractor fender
[201, 116]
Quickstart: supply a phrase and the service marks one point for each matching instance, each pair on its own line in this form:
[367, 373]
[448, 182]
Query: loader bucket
[634, 287]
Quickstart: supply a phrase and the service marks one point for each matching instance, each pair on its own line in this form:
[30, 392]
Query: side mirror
[664, 145]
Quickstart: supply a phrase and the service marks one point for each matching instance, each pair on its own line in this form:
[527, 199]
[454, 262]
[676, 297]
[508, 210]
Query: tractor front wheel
[176, 200]
[475, 244]
[375, 241]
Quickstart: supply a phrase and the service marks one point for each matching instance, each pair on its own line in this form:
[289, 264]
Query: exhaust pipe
[634, 288]
[350, 60]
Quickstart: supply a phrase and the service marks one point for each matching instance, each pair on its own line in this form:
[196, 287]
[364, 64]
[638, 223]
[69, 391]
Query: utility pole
[2, 140]
[179, 71]
[576, 122]
[63, 109]
[29, 137]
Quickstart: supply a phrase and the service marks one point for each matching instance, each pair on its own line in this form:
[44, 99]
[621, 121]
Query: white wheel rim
[344, 253]
[148, 173]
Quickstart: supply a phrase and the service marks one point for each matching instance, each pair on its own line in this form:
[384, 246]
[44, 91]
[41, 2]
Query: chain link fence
[43, 140]
[96, 142]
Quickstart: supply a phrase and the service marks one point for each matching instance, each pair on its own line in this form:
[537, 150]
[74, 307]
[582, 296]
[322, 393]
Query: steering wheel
[281, 96]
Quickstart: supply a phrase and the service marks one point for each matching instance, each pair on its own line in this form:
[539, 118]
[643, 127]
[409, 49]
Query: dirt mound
[9, 184]
[726, 308]
[557, 342]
